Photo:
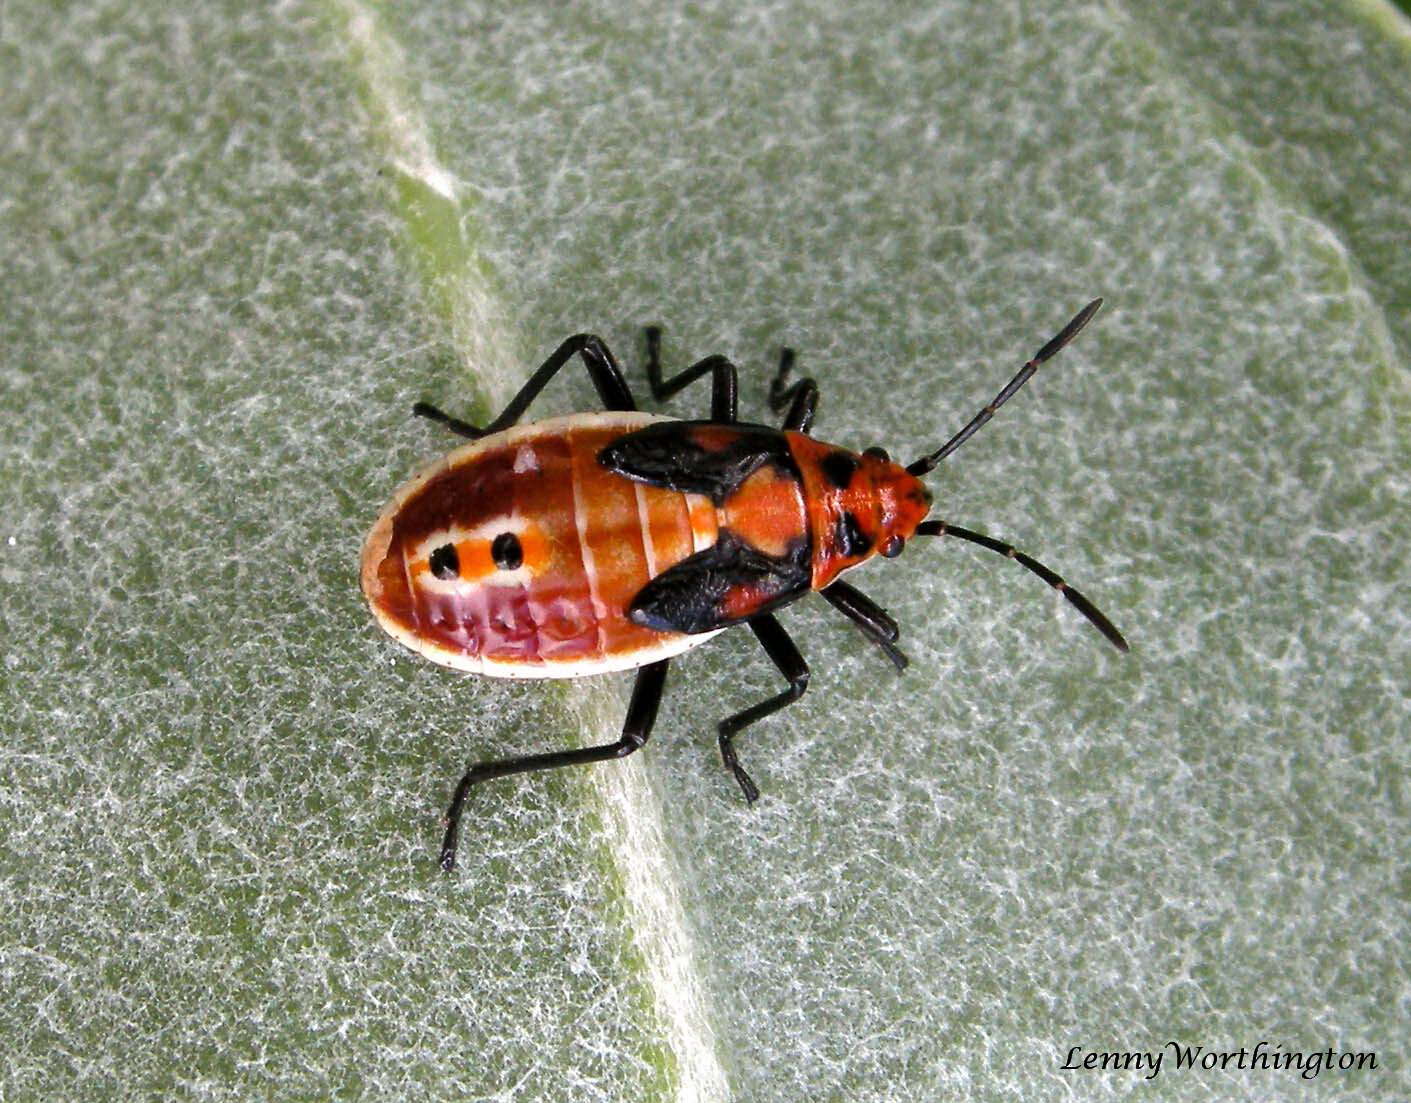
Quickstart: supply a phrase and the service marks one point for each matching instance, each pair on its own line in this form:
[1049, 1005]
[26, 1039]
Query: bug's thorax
[858, 505]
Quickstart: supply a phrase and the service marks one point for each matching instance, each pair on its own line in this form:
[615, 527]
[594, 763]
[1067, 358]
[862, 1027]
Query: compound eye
[893, 547]
[507, 552]
[879, 454]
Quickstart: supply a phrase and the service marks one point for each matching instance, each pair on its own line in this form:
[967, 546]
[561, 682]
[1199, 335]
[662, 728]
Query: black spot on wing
[691, 597]
[671, 454]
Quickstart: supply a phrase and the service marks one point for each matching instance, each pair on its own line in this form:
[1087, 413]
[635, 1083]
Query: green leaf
[238, 245]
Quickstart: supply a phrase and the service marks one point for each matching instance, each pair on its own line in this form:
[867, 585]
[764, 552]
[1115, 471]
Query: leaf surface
[238, 245]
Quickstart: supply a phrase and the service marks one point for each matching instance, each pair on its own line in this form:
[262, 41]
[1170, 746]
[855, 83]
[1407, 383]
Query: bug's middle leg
[641, 715]
[780, 648]
[602, 368]
[724, 380]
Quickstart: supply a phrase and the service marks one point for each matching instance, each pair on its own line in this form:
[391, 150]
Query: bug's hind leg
[801, 396]
[602, 368]
[876, 623]
[724, 380]
[780, 648]
[641, 715]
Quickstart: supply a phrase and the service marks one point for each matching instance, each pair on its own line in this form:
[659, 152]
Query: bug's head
[903, 499]
[862, 505]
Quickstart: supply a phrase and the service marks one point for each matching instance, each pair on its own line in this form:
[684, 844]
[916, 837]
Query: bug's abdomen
[519, 554]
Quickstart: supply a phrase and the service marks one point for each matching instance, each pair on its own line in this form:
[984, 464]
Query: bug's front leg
[780, 648]
[636, 730]
[602, 368]
[874, 621]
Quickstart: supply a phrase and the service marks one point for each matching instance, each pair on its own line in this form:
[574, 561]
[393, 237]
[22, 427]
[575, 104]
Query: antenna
[1082, 604]
[928, 462]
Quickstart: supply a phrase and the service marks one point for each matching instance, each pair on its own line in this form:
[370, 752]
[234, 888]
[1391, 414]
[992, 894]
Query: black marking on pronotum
[878, 453]
[445, 563]
[506, 552]
[840, 468]
[852, 541]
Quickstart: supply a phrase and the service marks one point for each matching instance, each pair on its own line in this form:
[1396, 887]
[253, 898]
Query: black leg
[641, 715]
[724, 380]
[874, 621]
[606, 376]
[779, 647]
[801, 397]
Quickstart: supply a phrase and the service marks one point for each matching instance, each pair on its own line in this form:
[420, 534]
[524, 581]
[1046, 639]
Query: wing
[725, 584]
[697, 457]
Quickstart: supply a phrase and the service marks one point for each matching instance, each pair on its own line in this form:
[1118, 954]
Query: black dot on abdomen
[506, 552]
[445, 563]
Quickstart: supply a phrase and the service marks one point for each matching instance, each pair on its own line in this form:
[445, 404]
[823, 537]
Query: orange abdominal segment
[611, 544]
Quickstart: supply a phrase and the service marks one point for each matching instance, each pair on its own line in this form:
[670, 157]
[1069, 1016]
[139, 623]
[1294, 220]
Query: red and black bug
[617, 540]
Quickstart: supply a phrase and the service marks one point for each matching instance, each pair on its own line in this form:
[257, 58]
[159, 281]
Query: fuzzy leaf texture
[238, 243]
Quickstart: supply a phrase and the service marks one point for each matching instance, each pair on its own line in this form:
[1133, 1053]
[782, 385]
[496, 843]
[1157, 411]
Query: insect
[618, 540]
